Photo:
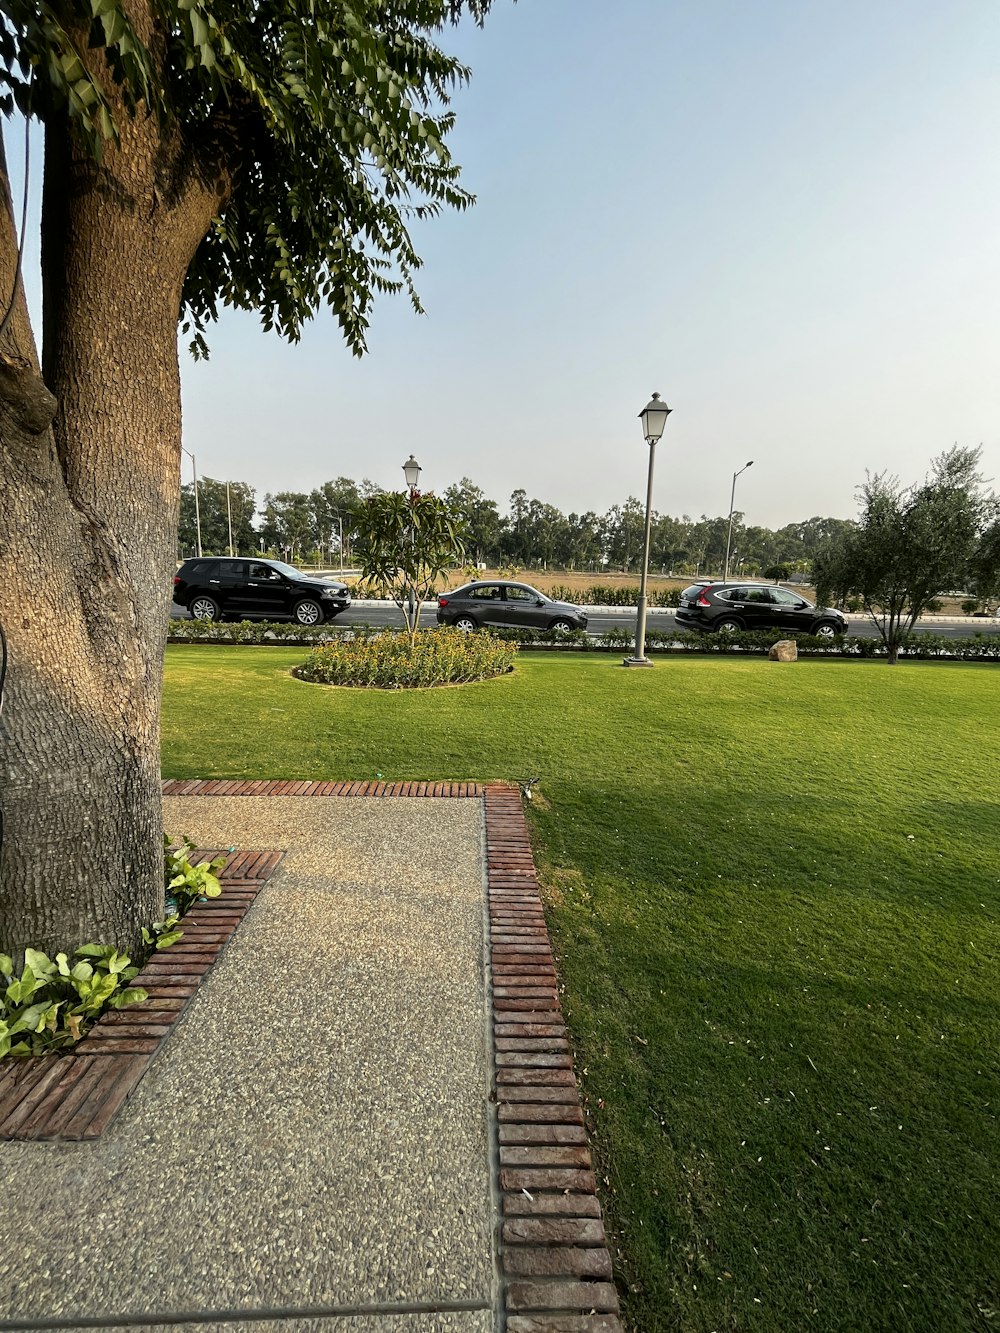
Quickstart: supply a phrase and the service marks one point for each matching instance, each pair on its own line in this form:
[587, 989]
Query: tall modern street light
[197, 511]
[732, 503]
[412, 471]
[653, 417]
[229, 515]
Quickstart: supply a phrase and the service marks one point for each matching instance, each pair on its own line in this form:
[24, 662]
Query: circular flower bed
[390, 662]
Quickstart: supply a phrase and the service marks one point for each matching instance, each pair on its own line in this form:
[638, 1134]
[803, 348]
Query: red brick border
[554, 1252]
[204, 787]
[77, 1095]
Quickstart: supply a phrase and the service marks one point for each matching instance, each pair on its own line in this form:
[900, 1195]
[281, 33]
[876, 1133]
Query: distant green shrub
[388, 661]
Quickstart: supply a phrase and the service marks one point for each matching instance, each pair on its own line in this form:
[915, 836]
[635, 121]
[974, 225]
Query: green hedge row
[922, 647]
[601, 595]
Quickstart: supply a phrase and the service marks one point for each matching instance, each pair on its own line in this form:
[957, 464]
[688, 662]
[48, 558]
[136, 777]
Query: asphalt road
[625, 619]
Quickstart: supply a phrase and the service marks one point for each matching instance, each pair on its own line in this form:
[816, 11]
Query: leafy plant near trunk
[394, 661]
[186, 883]
[51, 1002]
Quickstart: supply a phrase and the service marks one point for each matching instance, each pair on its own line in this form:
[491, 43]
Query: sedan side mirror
[539, 601]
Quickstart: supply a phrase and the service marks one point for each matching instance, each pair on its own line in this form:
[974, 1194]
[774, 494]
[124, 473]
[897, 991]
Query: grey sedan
[510, 605]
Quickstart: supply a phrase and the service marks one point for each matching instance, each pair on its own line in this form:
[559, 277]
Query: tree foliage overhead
[323, 121]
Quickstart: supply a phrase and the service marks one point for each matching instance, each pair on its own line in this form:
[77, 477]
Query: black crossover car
[737, 604]
[512, 605]
[217, 587]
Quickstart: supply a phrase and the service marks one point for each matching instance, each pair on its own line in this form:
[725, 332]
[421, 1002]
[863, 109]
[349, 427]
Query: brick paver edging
[77, 1095]
[200, 787]
[556, 1265]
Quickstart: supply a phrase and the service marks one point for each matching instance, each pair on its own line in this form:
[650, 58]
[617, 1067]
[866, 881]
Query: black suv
[215, 587]
[737, 604]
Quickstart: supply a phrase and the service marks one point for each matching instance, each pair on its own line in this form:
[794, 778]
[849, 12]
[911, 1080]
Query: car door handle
[214, 580]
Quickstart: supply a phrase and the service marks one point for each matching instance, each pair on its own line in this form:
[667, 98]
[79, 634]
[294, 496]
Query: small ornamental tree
[909, 544]
[404, 543]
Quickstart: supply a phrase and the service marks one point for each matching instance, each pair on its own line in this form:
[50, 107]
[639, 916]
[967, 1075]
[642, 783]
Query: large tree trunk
[88, 522]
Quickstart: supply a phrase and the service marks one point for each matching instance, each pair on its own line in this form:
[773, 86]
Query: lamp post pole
[229, 516]
[197, 512]
[653, 417]
[411, 471]
[732, 504]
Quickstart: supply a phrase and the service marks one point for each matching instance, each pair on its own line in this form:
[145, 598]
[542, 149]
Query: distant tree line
[318, 527]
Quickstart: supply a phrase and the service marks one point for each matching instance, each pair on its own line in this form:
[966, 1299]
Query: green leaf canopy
[323, 123]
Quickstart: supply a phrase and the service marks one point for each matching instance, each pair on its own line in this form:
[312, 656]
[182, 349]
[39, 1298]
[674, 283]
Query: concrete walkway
[312, 1149]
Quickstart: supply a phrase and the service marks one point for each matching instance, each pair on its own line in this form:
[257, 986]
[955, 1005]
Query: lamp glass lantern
[654, 417]
[412, 471]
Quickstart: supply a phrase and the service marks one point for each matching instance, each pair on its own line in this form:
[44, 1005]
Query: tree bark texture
[89, 466]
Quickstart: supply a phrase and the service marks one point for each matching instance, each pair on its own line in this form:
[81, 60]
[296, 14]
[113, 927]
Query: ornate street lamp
[653, 417]
[412, 471]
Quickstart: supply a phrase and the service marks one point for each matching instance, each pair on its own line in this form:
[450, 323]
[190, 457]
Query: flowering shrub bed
[388, 661]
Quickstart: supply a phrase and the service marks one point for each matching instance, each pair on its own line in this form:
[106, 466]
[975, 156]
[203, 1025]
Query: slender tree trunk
[88, 526]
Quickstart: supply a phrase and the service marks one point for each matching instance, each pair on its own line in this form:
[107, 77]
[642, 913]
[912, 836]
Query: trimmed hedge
[389, 661]
[605, 595]
[917, 647]
[253, 631]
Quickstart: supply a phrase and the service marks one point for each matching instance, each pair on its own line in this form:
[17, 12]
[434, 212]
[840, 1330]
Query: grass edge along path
[773, 891]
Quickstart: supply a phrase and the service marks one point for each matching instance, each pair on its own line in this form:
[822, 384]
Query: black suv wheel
[307, 612]
[205, 608]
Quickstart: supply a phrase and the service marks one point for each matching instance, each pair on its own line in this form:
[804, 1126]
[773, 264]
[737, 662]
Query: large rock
[784, 651]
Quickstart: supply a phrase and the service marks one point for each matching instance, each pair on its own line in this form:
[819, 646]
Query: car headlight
[330, 592]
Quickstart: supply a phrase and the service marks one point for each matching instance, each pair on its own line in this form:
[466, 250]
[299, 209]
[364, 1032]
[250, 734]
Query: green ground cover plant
[47, 1005]
[50, 1003]
[774, 892]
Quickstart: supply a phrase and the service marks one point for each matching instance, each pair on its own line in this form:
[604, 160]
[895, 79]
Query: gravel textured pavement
[315, 1133]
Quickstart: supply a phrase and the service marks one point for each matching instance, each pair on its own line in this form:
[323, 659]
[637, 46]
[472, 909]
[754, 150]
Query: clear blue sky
[784, 216]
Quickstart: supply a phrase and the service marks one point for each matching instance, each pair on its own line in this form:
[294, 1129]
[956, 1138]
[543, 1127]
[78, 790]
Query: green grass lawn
[773, 891]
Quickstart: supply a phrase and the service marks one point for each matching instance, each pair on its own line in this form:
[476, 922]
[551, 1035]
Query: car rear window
[691, 594]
